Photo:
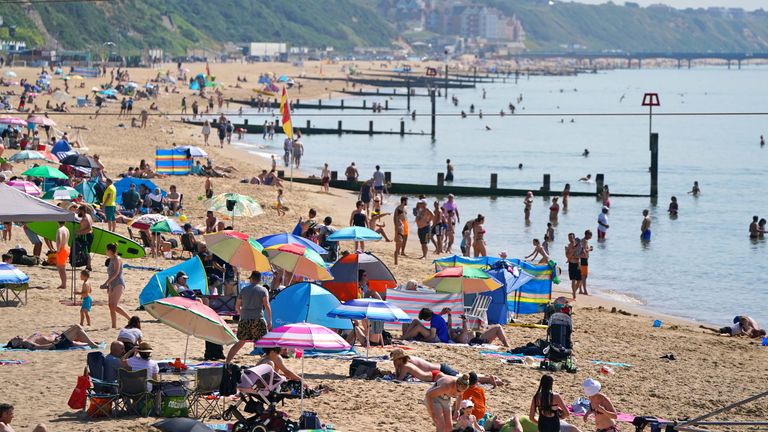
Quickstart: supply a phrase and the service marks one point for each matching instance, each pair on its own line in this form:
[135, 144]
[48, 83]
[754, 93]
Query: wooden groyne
[421, 82]
[309, 129]
[395, 92]
[298, 104]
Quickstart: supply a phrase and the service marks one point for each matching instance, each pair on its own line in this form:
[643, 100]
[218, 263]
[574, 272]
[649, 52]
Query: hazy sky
[746, 4]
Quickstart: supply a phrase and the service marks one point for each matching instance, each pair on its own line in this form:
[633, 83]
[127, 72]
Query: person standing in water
[528, 202]
[448, 171]
[602, 224]
[584, 261]
[645, 227]
[673, 208]
[554, 209]
[762, 141]
[566, 195]
[695, 191]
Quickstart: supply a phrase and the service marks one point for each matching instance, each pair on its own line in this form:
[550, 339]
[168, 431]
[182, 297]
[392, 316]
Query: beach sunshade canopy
[156, 288]
[27, 155]
[9, 74]
[9, 274]
[462, 279]
[144, 222]
[181, 424]
[61, 193]
[306, 302]
[244, 205]
[462, 261]
[192, 318]
[371, 309]
[41, 120]
[45, 172]
[27, 208]
[285, 238]
[80, 160]
[60, 96]
[345, 275]
[166, 226]
[238, 250]
[355, 233]
[303, 336]
[299, 260]
[10, 120]
[125, 183]
[88, 190]
[194, 151]
[25, 186]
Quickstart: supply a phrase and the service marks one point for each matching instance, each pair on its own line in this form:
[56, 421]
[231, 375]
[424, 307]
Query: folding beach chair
[11, 294]
[477, 314]
[204, 400]
[102, 396]
[134, 399]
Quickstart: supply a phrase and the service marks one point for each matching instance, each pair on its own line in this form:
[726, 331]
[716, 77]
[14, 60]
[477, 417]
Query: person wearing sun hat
[599, 405]
[467, 422]
[142, 362]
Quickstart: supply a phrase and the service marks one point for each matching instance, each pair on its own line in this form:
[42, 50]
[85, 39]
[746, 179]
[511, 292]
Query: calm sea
[701, 265]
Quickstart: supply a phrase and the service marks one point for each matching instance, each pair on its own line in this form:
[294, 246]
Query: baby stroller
[558, 355]
[259, 390]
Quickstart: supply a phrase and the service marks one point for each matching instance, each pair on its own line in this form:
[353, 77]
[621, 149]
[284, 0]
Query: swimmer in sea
[695, 191]
[673, 208]
[586, 153]
[587, 179]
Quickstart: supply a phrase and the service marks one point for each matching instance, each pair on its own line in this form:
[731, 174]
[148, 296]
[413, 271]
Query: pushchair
[259, 390]
[558, 355]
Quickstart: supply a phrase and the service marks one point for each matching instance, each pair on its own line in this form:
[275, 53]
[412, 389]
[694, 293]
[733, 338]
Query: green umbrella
[166, 226]
[45, 172]
[61, 193]
[244, 205]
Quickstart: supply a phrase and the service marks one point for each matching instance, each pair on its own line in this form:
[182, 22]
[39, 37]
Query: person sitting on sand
[416, 367]
[462, 335]
[131, 334]
[599, 406]
[437, 331]
[742, 326]
[74, 336]
[438, 400]
[272, 357]
[6, 417]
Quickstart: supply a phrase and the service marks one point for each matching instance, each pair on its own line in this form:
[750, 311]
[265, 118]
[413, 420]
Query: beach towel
[607, 363]
[101, 346]
[453, 344]
[12, 362]
[621, 416]
[505, 354]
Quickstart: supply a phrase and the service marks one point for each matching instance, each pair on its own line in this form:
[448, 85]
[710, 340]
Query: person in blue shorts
[645, 227]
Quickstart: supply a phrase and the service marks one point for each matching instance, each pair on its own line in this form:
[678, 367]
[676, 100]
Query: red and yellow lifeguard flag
[207, 70]
[285, 111]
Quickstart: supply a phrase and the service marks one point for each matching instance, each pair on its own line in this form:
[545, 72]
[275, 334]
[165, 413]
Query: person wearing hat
[467, 422]
[253, 307]
[599, 406]
[180, 282]
[142, 361]
[602, 224]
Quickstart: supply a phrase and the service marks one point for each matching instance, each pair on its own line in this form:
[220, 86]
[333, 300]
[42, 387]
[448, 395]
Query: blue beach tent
[196, 279]
[125, 183]
[306, 302]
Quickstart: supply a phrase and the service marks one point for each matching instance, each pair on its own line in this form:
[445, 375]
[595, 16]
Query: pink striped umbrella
[41, 120]
[25, 186]
[10, 120]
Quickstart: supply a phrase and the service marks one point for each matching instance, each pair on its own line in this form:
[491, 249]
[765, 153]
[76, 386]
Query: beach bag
[77, 398]
[78, 257]
[50, 258]
[99, 407]
[174, 400]
[309, 420]
[229, 380]
[365, 369]
[386, 337]
[17, 254]
[213, 351]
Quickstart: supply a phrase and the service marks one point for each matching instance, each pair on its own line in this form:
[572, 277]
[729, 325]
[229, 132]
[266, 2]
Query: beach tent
[124, 184]
[61, 146]
[88, 190]
[26, 208]
[306, 302]
[173, 161]
[532, 296]
[482, 263]
[512, 279]
[345, 271]
[156, 287]
[193, 151]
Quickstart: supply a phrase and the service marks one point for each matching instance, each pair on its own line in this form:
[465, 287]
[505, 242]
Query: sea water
[700, 265]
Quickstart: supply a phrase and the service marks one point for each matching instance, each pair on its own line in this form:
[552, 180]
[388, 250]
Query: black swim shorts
[444, 368]
[424, 235]
[574, 271]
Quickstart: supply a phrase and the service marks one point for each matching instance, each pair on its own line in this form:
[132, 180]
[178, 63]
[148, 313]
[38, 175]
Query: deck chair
[477, 314]
[134, 399]
[102, 396]
[187, 245]
[204, 399]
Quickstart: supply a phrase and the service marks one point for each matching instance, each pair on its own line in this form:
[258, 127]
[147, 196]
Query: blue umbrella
[285, 238]
[371, 309]
[9, 274]
[194, 151]
[356, 233]
[306, 302]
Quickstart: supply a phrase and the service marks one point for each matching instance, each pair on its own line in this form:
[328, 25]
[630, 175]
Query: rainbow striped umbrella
[299, 260]
[238, 249]
[462, 279]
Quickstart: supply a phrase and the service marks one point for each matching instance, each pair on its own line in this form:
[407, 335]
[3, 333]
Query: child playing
[467, 422]
[85, 295]
[279, 206]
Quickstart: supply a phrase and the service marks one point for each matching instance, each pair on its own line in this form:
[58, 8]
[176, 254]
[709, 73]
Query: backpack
[17, 253]
[309, 420]
[365, 369]
[78, 258]
[229, 380]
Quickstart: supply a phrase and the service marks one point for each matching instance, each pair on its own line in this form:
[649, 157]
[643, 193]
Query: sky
[682, 4]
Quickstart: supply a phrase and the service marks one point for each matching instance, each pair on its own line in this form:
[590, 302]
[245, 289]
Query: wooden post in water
[432, 98]
[441, 179]
[446, 80]
[402, 127]
[546, 183]
[408, 89]
[386, 104]
[474, 76]
[363, 103]
[309, 126]
[654, 165]
[319, 103]
[494, 180]
[599, 181]
[387, 176]
[370, 127]
[342, 104]
[338, 129]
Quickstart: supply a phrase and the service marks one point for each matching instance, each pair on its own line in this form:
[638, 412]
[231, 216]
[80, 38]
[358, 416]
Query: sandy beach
[710, 371]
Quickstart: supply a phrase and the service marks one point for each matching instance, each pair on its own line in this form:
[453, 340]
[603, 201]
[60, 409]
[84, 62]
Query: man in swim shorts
[645, 227]
[62, 253]
[572, 255]
[584, 261]
[423, 220]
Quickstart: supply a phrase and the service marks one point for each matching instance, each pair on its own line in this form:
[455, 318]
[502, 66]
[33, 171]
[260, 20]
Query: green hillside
[610, 26]
[176, 25]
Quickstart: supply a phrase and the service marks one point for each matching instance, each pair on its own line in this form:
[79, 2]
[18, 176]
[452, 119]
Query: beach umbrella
[61, 193]
[45, 172]
[41, 120]
[355, 233]
[80, 160]
[244, 205]
[303, 336]
[25, 186]
[238, 250]
[345, 274]
[462, 279]
[285, 238]
[181, 424]
[9, 74]
[144, 222]
[166, 226]
[76, 77]
[60, 96]
[372, 310]
[306, 302]
[11, 120]
[194, 151]
[108, 92]
[132, 85]
[299, 260]
[27, 155]
[192, 318]
[9, 274]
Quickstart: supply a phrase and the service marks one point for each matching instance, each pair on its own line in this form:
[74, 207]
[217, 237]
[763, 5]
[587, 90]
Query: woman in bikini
[74, 336]
[359, 218]
[600, 406]
[548, 405]
[479, 242]
[438, 400]
[538, 250]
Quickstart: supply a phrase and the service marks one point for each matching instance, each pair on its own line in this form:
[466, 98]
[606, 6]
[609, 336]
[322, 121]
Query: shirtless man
[586, 179]
[351, 172]
[427, 371]
[211, 222]
[439, 226]
[754, 232]
[572, 255]
[423, 220]
[6, 417]
[601, 407]
[62, 253]
[742, 326]
[85, 233]
[645, 227]
[584, 261]
[400, 222]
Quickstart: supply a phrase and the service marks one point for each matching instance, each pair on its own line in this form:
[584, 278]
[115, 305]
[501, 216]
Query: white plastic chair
[477, 314]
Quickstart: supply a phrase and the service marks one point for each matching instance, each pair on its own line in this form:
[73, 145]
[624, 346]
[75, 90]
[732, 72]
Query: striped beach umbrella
[244, 205]
[11, 120]
[166, 226]
[285, 238]
[144, 222]
[25, 186]
[372, 310]
[41, 120]
[27, 155]
[61, 193]
[299, 260]
[462, 279]
[355, 233]
[9, 274]
[238, 250]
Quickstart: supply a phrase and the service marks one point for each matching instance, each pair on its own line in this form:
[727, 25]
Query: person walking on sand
[602, 224]
[400, 221]
[547, 407]
[252, 305]
[423, 223]
[451, 211]
[108, 201]
[183, 104]
[600, 407]
[115, 284]
[584, 261]
[438, 400]
[645, 227]
[279, 203]
[379, 187]
[206, 132]
[325, 179]
[528, 202]
[62, 253]
[572, 255]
